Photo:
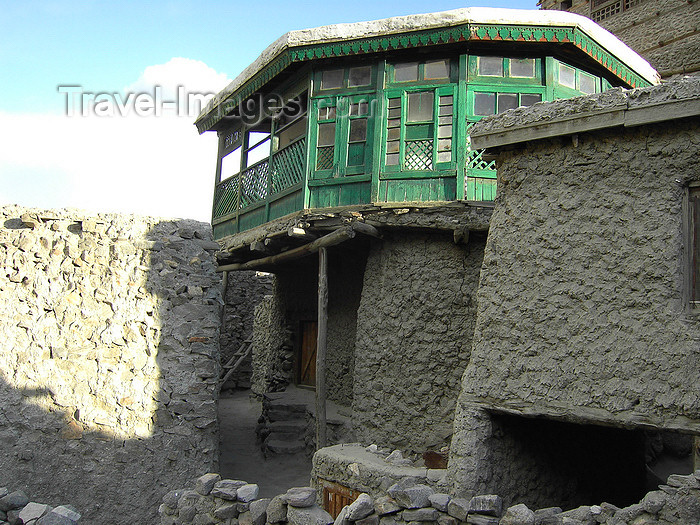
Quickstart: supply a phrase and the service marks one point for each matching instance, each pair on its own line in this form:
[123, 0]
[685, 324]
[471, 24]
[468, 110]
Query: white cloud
[154, 165]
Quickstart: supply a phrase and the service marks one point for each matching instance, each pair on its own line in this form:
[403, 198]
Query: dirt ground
[241, 457]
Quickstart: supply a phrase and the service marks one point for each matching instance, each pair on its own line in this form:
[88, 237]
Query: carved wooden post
[321, 348]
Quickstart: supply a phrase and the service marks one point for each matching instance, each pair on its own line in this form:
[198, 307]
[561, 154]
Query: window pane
[326, 134]
[586, 83]
[420, 106]
[256, 137]
[394, 112]
[392, 159]
[393, 134]
[484, 103]
[393, 123]
[445, 111]
[444, 131]
[359, 108]
[407, 72]
[359, 76]
[522, 67]
[434, 69]
[231, 164]
[567, 76]
[444, 144]
[444, 156]
[394, 102]
[258, 153]
[491, 66]
[392, 146]
[528, 99]
[326, 113]
[507, 101]
[332, 79]
[358, 130]
[443, 121]
[291, 133]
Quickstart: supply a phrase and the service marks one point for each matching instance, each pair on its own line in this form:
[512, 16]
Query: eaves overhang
[476, 24]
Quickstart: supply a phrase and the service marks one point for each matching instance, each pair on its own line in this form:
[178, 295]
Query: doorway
[307, 354]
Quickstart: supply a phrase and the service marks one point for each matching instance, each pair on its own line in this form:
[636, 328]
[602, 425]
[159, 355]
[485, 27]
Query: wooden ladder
[229, 368]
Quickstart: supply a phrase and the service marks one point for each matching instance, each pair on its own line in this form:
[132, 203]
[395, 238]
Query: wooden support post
[321, 348]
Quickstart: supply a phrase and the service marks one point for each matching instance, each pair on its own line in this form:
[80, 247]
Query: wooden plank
[321, 346]
[336, 237]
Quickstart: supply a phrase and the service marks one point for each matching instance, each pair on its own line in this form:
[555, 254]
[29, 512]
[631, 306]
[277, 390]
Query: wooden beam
[321, 344]
[336, 237]
[366, 229]
[300, 233]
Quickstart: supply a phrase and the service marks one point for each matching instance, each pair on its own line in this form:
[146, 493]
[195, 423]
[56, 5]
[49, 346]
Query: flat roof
[411, 23]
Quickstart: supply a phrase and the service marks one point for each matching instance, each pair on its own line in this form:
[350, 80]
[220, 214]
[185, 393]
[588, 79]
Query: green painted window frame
[439, 169]
[497, 89]
[342, 119]
[391, 66]
[345, 88]
[473, 75]
[563, 91]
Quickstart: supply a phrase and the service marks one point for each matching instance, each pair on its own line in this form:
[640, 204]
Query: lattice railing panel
[226, 197]
[288, 166]
[254, 184]
[475, 159]
[324, 158]
[419, 155]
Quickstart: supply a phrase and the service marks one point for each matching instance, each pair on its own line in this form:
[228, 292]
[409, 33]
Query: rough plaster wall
[345, 278]
[580, 305]
[109, 361]
[414, 329]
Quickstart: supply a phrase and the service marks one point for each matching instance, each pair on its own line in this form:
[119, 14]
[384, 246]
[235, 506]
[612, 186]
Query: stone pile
[411, 503]
[214, 501]
[16, 509]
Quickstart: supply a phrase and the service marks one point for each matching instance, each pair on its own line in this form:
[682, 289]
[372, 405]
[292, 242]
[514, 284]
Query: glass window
[407, 72]
[586, 83]
[358, 130]
[332, 79]
[567, 76]
[326, 134]
[491, 66]
[291, 133]
[507, 101]
[528, 99]
[420, 106]
[359, 108]
[258, 153]
[231, 163]
[484, 103]
[522, 67]
[326, 113]
[359, 76]
[436, 69]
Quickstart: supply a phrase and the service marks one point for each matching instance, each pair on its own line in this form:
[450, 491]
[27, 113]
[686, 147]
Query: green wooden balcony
[263, 192]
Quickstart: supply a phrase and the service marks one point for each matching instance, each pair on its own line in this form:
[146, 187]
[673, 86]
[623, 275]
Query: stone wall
[272, 350]
[110, 358]
[581, 305]
[664, 32]
[414, 328]
[244, 291]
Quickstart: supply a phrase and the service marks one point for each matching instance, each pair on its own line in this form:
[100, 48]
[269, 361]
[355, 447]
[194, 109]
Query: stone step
[298, 426]
[284, 447]
[277, 414]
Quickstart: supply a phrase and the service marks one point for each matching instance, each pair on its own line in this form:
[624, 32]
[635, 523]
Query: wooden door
[307, 354]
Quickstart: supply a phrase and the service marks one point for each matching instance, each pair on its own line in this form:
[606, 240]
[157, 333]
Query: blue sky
[155, 165]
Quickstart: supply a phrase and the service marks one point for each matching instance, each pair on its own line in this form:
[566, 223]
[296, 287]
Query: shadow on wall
[110, 359]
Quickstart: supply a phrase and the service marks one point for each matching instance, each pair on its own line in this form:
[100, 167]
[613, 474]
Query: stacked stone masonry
[213, 501]
[110, 358]
[17, 509]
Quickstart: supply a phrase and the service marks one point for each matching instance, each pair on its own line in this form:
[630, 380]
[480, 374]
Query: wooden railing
[260, 182]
